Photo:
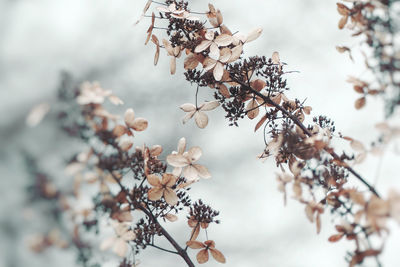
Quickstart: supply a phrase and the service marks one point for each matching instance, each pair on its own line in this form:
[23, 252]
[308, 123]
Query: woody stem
[305, 130]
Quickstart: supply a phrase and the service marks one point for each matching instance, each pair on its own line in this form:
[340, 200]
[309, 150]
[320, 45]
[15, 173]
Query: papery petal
[223, 40]
[236, 52]
[210, 35]
[218, 71]
[156, 150]
[252, 109]
[254, 34]
[201, 119]
[225, 55]
[154, 180]
[202, 171]
[37, 114]
[217, 255]
[168, 179]
[170, 197]
[139, 124]
[171, 217]
[193, 244]
[181, 145]
[120, 247]
[155, 193]
[194, 153]
[177, 160]
[202, 256]
[214, 51]
[172, 65]
[129, 117]
[202, 46]
[168, 47]
[209, 105]
[190, 173]
[209, 63]
[177, 171]
[188, 107]
[191, 62]
[188, 116]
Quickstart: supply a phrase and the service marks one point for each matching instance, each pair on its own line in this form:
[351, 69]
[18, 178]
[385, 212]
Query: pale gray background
[96, 40]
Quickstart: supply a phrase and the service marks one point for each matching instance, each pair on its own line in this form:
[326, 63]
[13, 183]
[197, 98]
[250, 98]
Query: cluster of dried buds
[131, 188]
[376, 23]
[254, 87]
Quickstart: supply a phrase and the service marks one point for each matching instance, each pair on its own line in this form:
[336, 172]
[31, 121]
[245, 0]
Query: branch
[306, 131]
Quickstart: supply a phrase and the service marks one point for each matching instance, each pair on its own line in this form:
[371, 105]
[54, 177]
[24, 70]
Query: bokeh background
[96, 40]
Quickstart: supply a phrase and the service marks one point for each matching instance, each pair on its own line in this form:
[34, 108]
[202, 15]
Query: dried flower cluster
[137, 189]
[376, 23]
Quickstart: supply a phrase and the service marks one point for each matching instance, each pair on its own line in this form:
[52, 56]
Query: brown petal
[218, 256]
[139, 124]
[202, 256]
[168, 179]
[202, 46]
[168, 47]
[252, 109]
[170, 197]
[335, 238]
[258, 84]
[190, 62]
[154, 180]
[172, 65]
[119, 130]
[224, 90]
[195, 244]
[155, 193]
[343, 22]
[209, 63]
[360, 103]
[260, 123]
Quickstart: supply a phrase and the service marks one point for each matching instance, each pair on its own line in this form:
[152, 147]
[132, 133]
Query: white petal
[209, 105]
[190, 173]
[181, 145]
[120, 247]
[201, 119]
[194, 153]
[254, 34]
[188, 116]
[177, 160]
[218, 71]
[107, 243]
[129, 117]
[202, 171]
[214, 51]
[188, 107]
[202, 46]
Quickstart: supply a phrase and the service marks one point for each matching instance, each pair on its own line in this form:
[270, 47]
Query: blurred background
[96, 40]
